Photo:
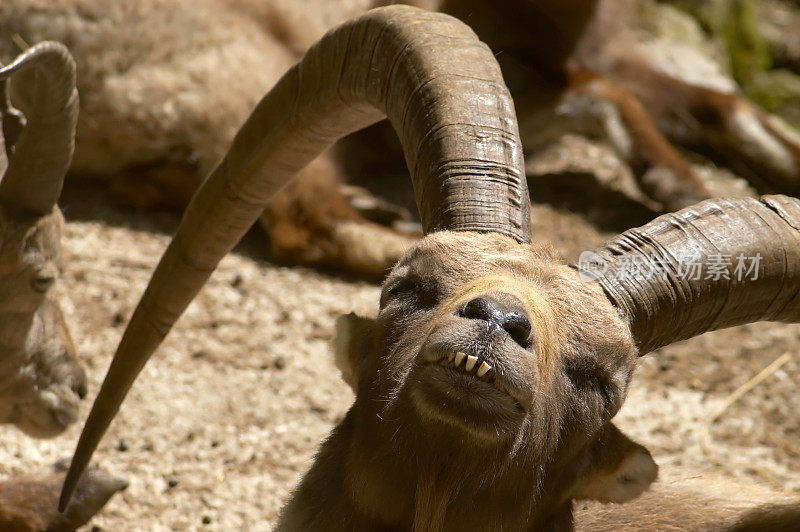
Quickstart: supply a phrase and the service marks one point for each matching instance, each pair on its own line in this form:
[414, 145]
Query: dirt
[227, 415]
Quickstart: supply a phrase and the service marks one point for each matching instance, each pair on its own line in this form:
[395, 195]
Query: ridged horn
[43, 151]
[720, 263]
[444, 95]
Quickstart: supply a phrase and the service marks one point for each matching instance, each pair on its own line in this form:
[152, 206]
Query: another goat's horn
[720, 263]
[443, 93]
[43, 152]
[6, 140]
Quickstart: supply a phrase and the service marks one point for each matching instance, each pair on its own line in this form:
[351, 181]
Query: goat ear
[621, 468]
[352, 341]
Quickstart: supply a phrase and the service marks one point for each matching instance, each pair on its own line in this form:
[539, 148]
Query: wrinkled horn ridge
[443, 92]
[43, 151]
[755, 242]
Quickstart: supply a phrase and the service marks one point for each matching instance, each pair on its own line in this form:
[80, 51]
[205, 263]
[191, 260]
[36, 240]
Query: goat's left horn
[720, 263]
[43, 152]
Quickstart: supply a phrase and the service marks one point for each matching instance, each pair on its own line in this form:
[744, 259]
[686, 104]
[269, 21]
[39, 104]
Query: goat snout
[502, 311]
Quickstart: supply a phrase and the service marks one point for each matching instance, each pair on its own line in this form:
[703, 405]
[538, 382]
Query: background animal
[598, 77]
[42, 379]
[489, 301]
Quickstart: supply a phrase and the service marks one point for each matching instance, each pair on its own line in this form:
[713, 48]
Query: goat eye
[42, 282]
[586, 377]
[606, 395]
[420, 294]
[397, 289]
[403, 286]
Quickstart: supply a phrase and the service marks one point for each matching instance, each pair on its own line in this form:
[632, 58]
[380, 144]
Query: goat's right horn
[720, 263]
[442, 91]
[43, 151]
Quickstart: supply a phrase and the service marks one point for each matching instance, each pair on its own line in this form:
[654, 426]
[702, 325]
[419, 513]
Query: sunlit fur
[427, 448]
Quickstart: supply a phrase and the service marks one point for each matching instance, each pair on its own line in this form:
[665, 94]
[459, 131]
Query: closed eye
[395, 289]
[420, 294]
[587, 377]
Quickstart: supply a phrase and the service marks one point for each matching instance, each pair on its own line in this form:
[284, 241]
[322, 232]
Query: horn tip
[66, 492]
[76, 469]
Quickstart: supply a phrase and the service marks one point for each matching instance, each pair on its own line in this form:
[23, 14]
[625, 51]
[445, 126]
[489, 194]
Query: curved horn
[720, 263]
[443, 93]
[43, 151]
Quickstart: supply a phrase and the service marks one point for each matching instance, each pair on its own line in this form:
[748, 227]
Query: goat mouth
[464, 386]
[468, 364]
[455, 397]
[472, 364]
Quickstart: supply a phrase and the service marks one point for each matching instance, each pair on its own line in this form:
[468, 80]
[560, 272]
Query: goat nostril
[518, 328]
[478, 309]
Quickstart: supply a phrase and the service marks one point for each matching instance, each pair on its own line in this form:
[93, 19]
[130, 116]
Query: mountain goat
[161, 102]
[486, 385]
[41, 379]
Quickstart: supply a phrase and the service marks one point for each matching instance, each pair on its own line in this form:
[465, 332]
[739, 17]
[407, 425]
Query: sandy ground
[227, 416]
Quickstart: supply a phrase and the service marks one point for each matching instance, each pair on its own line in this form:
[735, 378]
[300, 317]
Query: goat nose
[504, 311]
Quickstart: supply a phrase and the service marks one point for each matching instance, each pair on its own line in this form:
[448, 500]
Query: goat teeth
[471, 360]
[483, 369]
[450, 357]
[459, 358]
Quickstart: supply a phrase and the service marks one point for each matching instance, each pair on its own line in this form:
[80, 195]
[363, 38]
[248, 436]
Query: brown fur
[41, 378]
[30, 504]
[420, 451]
